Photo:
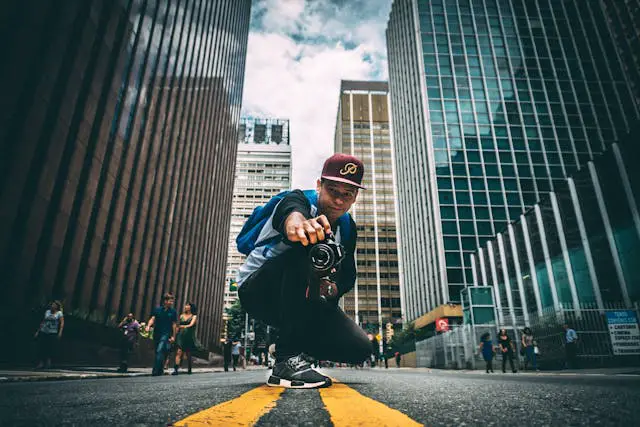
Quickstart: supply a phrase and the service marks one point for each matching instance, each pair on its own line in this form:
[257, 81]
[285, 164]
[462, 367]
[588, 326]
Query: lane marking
[244, 410]
[348, 408]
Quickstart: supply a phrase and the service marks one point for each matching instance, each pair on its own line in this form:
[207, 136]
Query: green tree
[236, 323]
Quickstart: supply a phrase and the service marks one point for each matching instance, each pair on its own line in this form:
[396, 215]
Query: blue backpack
[248, 236]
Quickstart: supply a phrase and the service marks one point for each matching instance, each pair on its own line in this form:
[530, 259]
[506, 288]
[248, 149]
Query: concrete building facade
[363, 130]
[263, 169]
[118, 122]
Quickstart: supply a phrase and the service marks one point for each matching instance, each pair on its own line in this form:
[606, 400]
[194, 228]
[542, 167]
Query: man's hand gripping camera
[324, 257]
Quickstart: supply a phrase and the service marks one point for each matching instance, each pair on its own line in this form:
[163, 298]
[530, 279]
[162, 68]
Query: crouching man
[300, 262]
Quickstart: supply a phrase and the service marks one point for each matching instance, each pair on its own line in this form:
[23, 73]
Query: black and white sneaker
[296, 372]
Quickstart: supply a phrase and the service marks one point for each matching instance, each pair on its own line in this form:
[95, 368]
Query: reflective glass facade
[494, 103]
[118, 124]
[584, 240]
[362, 129]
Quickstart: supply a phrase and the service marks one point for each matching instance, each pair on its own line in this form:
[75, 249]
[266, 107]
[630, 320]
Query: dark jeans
[508, 356]
[47, 346]
[276, 294]
[530, 352]
[126, 347]
[572, 351]
[162, 346]
[236, 357]
[489, 364]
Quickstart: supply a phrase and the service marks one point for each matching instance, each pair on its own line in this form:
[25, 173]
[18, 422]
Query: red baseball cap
[344, 168]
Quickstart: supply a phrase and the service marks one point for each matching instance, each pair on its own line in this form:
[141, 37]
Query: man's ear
[318, 185]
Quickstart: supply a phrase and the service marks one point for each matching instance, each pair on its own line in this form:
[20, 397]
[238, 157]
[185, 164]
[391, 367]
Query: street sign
[251, 336]
[442, 324]
[624, 332]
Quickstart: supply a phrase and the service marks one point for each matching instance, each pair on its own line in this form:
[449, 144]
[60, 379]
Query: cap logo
[349, 169]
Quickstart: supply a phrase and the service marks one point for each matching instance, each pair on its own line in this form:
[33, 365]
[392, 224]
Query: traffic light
[388, 334]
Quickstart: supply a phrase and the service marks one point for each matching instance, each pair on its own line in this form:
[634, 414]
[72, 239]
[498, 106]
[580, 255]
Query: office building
[263, 169]
[362, 129]
[119, 120]
[576, 249]
[494, 104]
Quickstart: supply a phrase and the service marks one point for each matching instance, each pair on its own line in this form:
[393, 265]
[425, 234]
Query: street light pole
[246, 337]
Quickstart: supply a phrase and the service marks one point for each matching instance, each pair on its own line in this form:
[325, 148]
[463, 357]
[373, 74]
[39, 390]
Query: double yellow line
[346, 407]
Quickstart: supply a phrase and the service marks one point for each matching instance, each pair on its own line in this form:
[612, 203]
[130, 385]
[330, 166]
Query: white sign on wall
[624, 332]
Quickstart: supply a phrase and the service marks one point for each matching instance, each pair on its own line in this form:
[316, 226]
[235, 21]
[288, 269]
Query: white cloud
[297, 55]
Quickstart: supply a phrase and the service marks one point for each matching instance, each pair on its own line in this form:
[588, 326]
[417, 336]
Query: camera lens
[322, 257]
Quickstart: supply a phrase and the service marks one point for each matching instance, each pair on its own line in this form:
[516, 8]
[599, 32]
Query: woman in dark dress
[486, 348]
[507, 349]
[186, 338]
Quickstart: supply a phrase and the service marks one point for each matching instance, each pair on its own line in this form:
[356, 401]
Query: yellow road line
[244, 410]
[349, 408]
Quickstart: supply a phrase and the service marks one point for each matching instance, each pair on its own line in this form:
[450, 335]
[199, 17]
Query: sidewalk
[81, 373]
[629, 371]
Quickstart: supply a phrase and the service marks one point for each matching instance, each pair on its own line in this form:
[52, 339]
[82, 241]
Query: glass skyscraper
[494, 104]
[578, 248]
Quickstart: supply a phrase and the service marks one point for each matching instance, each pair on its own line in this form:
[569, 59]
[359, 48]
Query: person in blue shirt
[571, 347]
[164, 321]
[487, 350]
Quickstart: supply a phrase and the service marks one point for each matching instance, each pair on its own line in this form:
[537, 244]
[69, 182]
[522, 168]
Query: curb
[67, 377]
[84, 376]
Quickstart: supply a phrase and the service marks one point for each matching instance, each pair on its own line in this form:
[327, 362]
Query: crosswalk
[346, 407]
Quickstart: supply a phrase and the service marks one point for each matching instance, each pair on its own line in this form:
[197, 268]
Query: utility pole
[246, 337]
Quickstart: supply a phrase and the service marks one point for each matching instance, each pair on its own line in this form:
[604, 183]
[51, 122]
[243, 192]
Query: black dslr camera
[324, 257]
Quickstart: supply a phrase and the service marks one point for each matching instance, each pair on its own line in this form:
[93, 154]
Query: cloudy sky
[298, 52]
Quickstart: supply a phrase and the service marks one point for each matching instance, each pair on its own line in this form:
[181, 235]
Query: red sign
[442, 324]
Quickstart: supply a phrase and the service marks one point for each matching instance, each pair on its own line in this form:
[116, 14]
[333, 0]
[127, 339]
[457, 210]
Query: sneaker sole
[280, 382]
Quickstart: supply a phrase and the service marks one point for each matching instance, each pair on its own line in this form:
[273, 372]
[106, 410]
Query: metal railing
[457, 349]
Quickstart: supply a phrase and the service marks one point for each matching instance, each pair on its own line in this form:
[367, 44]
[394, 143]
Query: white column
[547, 258]
[585, 243]
[565, 253]
[532, 266]
[375, 217]
[609, 233]
[353, 212]
[397, 215]
[516, 263]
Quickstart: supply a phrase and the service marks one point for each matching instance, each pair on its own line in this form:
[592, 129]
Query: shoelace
[299, 362]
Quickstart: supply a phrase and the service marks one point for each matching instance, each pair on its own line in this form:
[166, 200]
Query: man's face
[335, 198]
[168, 302]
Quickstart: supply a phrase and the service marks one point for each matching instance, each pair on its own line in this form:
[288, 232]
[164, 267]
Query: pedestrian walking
[529, 346]
[487, 350]
[130, 331]
[186, 338]
[164, 323]
[374, 351]
[398, 359]
[49, 333]
[508, 351]
[226, 353]
[571, 347]
[235, 353]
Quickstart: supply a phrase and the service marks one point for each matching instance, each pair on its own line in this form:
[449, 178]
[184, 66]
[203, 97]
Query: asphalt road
[432, 398]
